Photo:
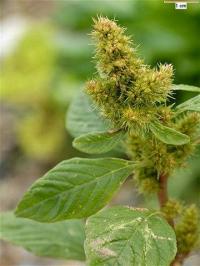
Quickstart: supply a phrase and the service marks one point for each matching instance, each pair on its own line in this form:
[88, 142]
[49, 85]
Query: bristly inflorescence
[187, 230]
[186, 224]
[133, 96]
[127, 91]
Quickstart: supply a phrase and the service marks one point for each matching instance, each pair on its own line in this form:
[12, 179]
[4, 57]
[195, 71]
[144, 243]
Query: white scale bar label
[181, 5]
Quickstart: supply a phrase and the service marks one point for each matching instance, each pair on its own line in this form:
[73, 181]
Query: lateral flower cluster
[186, 225]
[157, 157]
[126, 90]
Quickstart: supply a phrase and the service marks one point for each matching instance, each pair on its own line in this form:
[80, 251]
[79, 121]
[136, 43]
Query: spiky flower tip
[114, 54]
[187, 230]
[126, 90]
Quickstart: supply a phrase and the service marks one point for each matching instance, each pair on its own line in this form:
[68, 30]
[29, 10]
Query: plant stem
[163, 194]
[163, 198]
[178, 261]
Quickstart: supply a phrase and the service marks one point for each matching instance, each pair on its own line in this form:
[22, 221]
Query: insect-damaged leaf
[75, 188]
[97, 142]
[62, 240]
[129, 237]
[168, 135]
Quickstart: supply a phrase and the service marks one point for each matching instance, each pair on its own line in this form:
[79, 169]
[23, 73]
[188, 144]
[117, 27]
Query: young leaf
[192, 104]
[62, 240]
[75, 188]
[83, 117]
[97, 142]
[168, 135]
[183, 87]
[126, 236]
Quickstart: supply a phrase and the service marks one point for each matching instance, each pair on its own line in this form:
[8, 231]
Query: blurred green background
[50, 60]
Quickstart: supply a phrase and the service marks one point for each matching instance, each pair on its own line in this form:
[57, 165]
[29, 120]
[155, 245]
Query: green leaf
[75, 188]
[183, 87]
[62, 240]
[83, 117]
[192, 104]
[168, 135]
[129, 237]
[98, 142]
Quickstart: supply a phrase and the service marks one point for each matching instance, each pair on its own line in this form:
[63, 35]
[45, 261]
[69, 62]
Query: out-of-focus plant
[128, 105]
[30, 85]
[26, 71]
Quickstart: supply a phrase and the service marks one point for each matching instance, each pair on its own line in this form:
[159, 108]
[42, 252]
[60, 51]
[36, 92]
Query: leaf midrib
[71, 189]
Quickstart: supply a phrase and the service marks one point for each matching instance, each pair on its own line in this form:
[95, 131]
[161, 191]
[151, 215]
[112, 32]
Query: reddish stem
[163, 194]
[163, 198]
[178, 261]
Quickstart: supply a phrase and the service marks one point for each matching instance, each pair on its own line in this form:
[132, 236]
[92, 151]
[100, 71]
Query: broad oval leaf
[75, 188]
[129, 237]
[62, 240]
[97, 142]
[192, 104]
[168, 135]
[83, 117]
[183, 87]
